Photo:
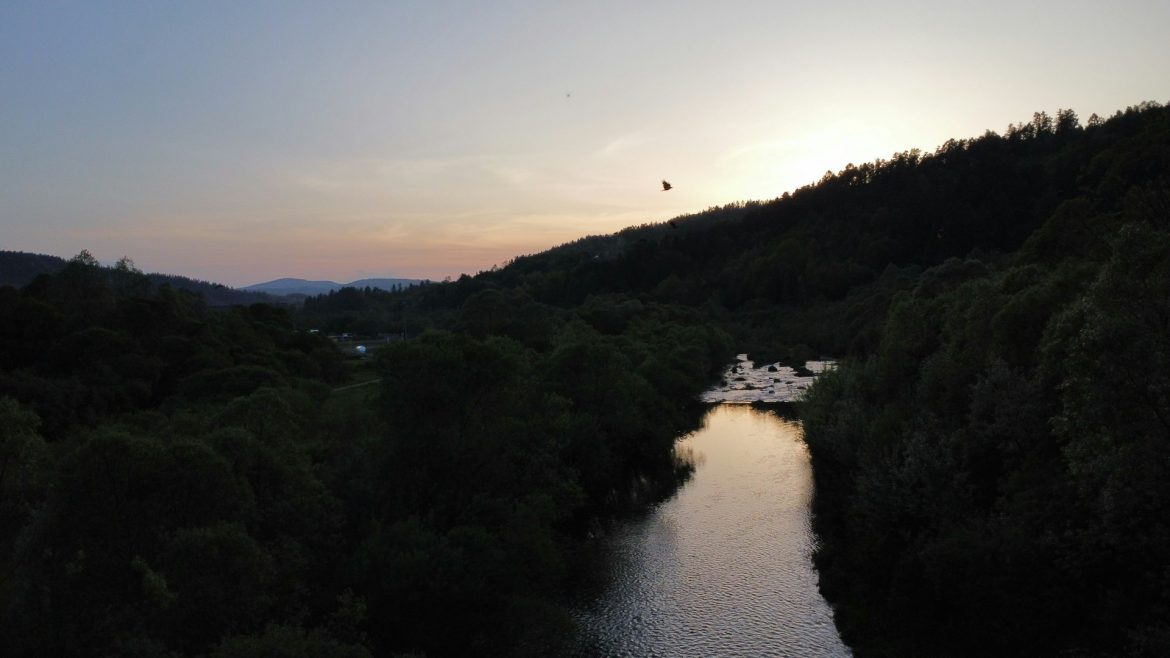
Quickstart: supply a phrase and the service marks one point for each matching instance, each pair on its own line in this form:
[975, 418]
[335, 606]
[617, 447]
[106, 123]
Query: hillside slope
[819, 267]
[992, 478]
[992, 457]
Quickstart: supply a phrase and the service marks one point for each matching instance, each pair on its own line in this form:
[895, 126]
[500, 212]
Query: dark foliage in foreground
[176, 480]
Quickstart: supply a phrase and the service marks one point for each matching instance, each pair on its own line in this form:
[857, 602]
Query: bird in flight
[665, 186]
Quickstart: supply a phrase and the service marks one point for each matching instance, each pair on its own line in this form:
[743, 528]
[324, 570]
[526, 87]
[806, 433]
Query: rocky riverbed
[744, 382]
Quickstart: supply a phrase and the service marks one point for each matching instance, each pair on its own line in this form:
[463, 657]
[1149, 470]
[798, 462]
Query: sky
[240, 142]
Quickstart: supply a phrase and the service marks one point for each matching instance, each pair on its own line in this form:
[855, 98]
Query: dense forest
[993, 478]
[991, 457]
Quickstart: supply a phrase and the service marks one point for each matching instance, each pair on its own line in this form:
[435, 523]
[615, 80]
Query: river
[722, 568]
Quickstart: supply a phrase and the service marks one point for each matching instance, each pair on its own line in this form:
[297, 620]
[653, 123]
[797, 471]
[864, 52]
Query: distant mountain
[289, 286]
[217, 294]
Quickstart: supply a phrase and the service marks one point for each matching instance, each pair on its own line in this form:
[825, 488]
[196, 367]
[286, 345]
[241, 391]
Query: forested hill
[993, 473]
[820, 266]
[18, 268]
[992, 458]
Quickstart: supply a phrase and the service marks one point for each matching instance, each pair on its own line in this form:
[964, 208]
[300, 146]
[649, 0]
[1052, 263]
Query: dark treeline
[991, 458]
[18, 269]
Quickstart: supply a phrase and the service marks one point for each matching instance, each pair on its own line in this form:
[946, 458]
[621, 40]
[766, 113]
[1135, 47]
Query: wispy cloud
[621, 144]
[386, 174]
[755, 148]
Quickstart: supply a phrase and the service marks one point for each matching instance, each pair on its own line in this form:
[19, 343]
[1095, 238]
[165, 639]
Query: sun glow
[767, 169]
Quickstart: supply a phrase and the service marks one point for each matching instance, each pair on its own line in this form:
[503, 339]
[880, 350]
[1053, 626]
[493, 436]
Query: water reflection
[722, 568]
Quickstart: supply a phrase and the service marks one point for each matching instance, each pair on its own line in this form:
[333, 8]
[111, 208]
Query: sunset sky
[244, 141]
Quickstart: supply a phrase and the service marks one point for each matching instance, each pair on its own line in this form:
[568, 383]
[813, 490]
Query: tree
[85, 258]
[23, 456]
[20, 446]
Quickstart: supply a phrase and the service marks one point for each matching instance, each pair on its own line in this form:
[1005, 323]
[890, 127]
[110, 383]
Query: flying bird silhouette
[665, 186]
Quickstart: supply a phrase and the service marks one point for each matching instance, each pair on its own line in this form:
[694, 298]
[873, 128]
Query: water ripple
[723, 568]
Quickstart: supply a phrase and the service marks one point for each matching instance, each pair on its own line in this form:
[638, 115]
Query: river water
[722, 568]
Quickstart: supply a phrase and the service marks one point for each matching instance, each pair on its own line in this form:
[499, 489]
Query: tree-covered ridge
[18, 269]
[819, 266]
